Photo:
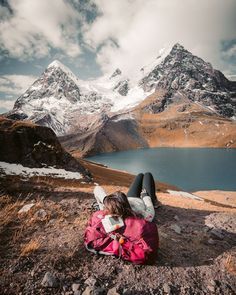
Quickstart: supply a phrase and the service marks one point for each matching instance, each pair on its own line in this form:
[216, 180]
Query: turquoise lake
[190, 169]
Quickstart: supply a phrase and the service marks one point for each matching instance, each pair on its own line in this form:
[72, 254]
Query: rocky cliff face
[182, 71]
[122, 87]
[33, 146]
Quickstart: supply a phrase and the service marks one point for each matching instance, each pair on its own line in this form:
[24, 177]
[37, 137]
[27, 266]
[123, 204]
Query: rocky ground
[42, 249]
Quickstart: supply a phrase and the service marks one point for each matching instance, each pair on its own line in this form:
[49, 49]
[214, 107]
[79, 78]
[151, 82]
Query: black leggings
[143, 181]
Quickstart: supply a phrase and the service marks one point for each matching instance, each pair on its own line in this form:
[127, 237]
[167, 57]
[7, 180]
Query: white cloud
[38, 25]
[230, 76]
[15, 84]
[141, 28]
[6, 105]
[230, 52]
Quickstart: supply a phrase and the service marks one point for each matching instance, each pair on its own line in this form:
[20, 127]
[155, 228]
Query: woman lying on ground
[122, 226]
[141, 196]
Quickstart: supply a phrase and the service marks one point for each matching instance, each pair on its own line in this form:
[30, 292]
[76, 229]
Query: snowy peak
[46, 102]
[57, 64]
[178, 47]
[185, 72]
[61, 69]
[56, 82]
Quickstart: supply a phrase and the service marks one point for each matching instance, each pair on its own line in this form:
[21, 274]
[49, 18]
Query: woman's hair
[117, 204]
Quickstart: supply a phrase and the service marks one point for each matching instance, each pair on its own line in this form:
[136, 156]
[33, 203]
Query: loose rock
[176, 218]
[211, 242]
[217, 233]
[41, 214]
[176, 228]
[167, 288]
[26, 208]
[49, 280]
[113, 291]
[91, 281]
[75, 287]
[211, 288]
[88, 291]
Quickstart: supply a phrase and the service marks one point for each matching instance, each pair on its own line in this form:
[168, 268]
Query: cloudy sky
[94, 37]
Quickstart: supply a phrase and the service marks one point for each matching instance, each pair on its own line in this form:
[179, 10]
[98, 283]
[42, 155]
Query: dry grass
[4, 200]
[30, 247]
[83, 218]
[230, 263]
[19, 223]
[18, 234]
[9, 212]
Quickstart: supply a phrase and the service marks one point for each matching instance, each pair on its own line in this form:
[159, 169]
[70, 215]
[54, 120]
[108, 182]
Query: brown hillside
[184, 124]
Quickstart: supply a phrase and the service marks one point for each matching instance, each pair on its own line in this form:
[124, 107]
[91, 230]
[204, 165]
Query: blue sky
[94, 37]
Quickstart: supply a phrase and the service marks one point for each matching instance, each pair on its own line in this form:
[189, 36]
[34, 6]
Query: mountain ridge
[80, 109]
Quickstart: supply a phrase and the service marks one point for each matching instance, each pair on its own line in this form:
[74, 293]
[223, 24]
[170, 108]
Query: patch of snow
[208, 108]
[163, 52]
[127, 116]
[134, 97]
[211, 108]
[26, 172]
[184, 194]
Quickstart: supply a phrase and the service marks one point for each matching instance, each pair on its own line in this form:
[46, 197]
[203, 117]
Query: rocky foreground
[42, 221]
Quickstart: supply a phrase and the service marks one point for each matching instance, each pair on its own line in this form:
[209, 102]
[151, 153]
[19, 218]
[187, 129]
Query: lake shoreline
[194, 169]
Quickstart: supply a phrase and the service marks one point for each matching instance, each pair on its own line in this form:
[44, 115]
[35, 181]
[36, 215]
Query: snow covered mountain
[58, 99]
[61, 101]
[181, 71]
[54, 96]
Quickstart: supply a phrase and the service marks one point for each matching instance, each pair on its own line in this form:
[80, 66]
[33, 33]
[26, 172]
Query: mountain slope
[57, 99]
[176, 85]
[181, 70]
